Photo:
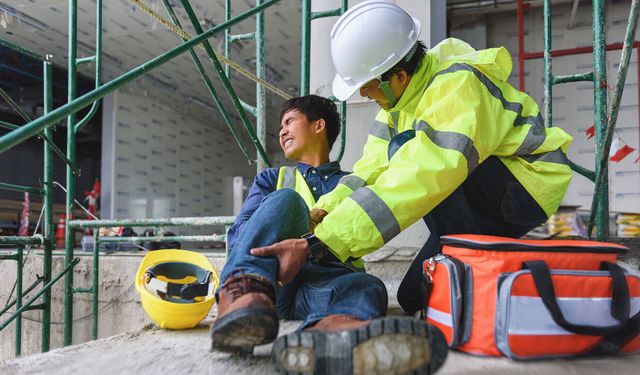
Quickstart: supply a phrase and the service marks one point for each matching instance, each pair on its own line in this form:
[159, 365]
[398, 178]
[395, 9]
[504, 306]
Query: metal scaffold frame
[604, 125]
[42, 127]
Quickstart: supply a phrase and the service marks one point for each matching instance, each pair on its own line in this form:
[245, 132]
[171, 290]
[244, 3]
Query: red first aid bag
[532, 299]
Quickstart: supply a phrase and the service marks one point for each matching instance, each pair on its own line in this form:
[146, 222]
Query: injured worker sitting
[344, 329]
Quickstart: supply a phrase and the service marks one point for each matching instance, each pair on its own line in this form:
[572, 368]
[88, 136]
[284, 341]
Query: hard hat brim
[342, 90]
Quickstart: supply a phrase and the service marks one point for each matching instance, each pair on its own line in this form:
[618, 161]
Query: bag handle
[620, 308]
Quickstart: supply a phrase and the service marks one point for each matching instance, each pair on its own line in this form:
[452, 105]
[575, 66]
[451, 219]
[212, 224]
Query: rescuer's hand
[316, 217]
[291, 256]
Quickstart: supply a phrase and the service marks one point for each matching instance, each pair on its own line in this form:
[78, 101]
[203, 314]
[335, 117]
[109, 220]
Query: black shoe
[391, 345]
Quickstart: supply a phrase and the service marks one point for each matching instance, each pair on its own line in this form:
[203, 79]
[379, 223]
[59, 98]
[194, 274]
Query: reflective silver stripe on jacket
[556, 156]
[352, 181]
[381, 130]
[536, 135]
[378, 212]
[289, 178]
[452, 141]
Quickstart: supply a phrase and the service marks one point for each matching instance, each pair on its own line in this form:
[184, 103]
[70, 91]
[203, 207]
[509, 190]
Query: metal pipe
[169, 222]
[86, 60]
[17, 136]
[327, 13]
[574, 10]
[98, 59]
[214, 237]
[227, 36]
[600, 202]
[343, 129]
[39, 279]
[19, 261]
[47, 228]
[572, 78]
[27, 118]
[247, 36]
[37, 295]
[70, 180]
[8, 125]
[20, 49]
[21, 240]
[261, 100]
[249, 108]
[601, 191]
[575, 51]
[225, 80]
[589, 174]
[521, 45]
[27, 189]
[548, 73]
[15, 106]
[209, 85]
[95, 281]
[305, 50]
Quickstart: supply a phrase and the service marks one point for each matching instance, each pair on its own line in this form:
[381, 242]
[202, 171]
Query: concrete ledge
[155, 351]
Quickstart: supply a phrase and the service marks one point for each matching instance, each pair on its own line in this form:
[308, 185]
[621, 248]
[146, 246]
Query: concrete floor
[155, 351]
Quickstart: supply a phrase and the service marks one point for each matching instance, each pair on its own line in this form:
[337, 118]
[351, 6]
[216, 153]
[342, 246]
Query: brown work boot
[246, 314]
[341, 344]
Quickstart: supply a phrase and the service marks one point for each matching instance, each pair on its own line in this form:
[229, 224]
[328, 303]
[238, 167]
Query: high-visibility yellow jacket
[291, 178]
[463, 111]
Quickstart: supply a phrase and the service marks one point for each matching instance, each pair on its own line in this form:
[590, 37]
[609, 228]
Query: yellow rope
[221, 57]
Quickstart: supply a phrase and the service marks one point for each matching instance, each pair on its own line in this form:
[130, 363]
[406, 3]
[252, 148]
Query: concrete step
[155, 351]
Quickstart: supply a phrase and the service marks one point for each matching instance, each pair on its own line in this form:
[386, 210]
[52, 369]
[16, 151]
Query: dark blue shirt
[321, 180]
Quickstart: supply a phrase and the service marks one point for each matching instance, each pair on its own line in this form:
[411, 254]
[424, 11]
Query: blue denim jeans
[319, 289]
[490, 201]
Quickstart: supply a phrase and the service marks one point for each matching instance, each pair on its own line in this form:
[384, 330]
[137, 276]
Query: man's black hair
[408, 64]
[316, 107]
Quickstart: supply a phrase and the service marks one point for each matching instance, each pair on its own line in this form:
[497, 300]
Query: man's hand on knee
[291, 256]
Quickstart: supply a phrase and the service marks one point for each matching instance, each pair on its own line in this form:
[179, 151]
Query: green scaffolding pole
[601, 192]
[227, 85]
[604, 126]
[259, 111]
[600, 203]
[70, 182]
[305, 60]
[48, 209]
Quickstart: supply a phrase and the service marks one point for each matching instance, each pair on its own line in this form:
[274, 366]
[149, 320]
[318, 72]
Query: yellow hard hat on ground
[176, 287]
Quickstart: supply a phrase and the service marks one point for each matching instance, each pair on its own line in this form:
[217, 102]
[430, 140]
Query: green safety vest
[463, 111]
[291, 178]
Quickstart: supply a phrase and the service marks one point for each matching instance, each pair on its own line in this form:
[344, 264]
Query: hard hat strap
[202, 287]
[388, 93]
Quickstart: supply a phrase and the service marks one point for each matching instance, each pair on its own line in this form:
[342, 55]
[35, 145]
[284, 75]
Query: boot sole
[241, 330]
[392, 345]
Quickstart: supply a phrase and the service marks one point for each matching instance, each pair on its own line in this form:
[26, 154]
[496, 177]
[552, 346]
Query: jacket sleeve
[263, 185]
[373, 162]
[457, 126]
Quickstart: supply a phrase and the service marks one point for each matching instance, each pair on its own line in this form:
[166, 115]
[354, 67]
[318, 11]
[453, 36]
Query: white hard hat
[368, 40]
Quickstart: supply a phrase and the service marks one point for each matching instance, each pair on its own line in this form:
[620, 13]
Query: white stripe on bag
[440, 317]
[529, 316]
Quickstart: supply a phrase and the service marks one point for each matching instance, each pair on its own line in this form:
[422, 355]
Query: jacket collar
[411, 96]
